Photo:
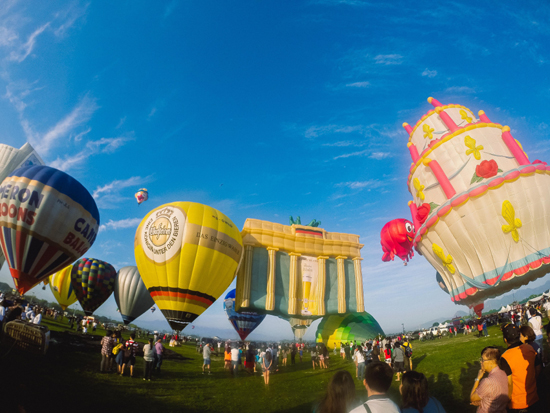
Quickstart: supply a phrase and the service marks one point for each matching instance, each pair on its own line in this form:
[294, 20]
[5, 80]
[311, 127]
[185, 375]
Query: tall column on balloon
[244, 279]
[341, 270]
[413, 151]
[321, 283]
[293, 283]
[271, 267]
[359, 295]
[441, 177]
[514, 147]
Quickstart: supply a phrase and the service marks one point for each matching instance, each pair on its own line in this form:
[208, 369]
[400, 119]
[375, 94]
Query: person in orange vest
[522, 367]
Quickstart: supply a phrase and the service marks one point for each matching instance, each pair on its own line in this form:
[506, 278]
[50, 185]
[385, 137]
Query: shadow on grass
[417, 360]
[442, 389]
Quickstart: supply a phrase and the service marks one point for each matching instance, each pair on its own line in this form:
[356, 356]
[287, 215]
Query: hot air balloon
[245, 322]
[93, 282]
[47, 220]
[62, 287]
[141, 196]
[481, 208]
[299, 271]
[131, 295]
[396, 238]
[187, 255]
[335, 329]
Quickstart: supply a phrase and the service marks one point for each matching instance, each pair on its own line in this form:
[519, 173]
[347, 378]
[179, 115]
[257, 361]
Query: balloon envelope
[62, 287]
[396, 239]
[243, 322]
[93, 282]
[141, 196]
[47, 220]
[131, 295]
[187, 255]
[299, 327]
[335, 329]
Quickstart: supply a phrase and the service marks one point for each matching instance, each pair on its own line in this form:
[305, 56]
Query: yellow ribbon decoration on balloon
[446, 261]
[471, 144]
[509, 214]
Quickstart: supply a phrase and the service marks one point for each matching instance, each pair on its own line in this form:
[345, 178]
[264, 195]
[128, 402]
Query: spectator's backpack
[127, 352]
[408, 351]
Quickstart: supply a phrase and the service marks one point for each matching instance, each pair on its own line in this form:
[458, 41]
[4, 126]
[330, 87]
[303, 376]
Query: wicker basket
[26, 336]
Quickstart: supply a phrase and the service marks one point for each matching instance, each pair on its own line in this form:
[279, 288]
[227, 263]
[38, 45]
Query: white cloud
[25, 49]
[429, 73]
[366, 152]
[369, 184]
[388, 59]
[109, 195]
[358, 84]
[120, 224]
[69, 17]
[344, 143]
[82, 112]
[103, 145]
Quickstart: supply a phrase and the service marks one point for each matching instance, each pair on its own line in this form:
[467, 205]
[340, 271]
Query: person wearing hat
[522, 368]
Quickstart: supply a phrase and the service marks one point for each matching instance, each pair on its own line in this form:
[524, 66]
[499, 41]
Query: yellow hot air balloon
[187, 255]
[62, 289]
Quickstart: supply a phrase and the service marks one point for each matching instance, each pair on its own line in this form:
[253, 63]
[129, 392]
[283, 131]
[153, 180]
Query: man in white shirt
[378, 379]
[546, 307]
[235, 360]
[206, 358]
[535, 321]
[37, 319]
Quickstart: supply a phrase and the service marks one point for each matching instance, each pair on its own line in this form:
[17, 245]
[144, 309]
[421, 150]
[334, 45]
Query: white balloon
[131, 295]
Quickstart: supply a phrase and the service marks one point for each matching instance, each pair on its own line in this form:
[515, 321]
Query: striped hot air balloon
[47, 220]
[93, 281]
[187, 255]
[243, 322]
[62, 288]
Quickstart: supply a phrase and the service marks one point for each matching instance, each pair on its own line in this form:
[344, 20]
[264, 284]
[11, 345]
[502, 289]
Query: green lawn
[68, 378]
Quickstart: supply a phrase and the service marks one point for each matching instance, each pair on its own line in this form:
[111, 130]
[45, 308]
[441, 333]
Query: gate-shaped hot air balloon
[299, 271]
[245, 322]
[480, 207]
[62, 287]
[47, 220]
[336, 329]
[187, 254]
[131, 295]
[93, 282]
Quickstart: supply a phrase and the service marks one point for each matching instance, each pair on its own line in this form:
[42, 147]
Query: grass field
[68, 379]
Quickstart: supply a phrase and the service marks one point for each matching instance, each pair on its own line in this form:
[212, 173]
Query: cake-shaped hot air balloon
[62, 287]
[131, 295]
[47, 219]
[481, 209]
[93, 282]
[187, 255]
[244, 322]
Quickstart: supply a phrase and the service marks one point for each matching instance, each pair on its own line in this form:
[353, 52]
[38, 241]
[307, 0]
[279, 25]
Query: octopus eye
[409, 227]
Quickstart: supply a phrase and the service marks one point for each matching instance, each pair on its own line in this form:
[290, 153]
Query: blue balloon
[244, 323]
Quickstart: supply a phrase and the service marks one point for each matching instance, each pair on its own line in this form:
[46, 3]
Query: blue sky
[265, 110]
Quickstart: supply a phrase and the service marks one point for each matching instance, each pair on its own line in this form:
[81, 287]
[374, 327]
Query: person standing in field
[159, 353]
[235, 360]
[535, 322]
[415, 396]
[130, 358]
[491, 393]
[378, 379]
[267, 360]
[398, 360]
[148, 359]
[107, 344]
[522, 368]
[206, 358]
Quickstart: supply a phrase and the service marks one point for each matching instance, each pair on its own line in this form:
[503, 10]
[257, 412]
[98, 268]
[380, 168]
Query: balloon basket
[29, 337]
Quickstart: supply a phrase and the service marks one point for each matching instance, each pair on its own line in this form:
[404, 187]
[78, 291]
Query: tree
[435, 324]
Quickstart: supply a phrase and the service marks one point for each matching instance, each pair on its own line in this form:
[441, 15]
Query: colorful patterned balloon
[93, 281]
[336, 329]
[47, 220]
[141, 196]
[62, 287]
